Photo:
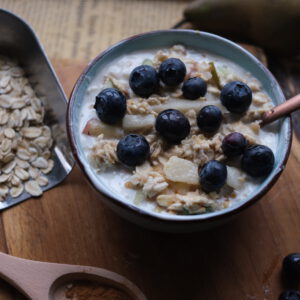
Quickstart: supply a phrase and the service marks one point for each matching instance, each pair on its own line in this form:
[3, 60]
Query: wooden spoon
[281, 110]
[39, 280]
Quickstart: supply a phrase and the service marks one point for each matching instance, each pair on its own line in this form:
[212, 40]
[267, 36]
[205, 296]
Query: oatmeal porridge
[177, 131]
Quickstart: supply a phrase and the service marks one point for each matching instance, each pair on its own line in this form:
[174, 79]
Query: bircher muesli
[177, 130]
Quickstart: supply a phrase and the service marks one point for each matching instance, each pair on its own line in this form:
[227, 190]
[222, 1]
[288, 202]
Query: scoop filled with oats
[34, 152]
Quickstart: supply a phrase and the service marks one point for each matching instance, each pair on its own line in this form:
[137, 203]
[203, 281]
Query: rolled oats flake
[32, 115]
[46, 131]
[49, 168]
[9, 133]
[46, 154]
[42, 180]
[22, 163]
[34, 172]
[7, 168]
[6, 145]
[23, 154]
[4, 177]
[15, 180]
[165, 200]
[41, 141]
[33, 150]
[7, 158]
[17, 190]
[40, 163]
[21, 173]
[31, 132]
[32, 187]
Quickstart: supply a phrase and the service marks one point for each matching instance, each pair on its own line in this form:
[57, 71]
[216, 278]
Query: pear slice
[184, 105]
[235, 178]
[181, 170]
[95, 127]
[138, 122]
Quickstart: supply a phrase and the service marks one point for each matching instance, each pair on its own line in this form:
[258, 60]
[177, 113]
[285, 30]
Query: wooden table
[238, 261]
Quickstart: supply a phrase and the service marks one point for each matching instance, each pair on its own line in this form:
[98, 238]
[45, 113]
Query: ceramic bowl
[196, 40]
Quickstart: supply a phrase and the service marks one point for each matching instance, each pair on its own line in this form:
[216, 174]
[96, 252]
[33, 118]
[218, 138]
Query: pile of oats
[170, 177]
[25, 141]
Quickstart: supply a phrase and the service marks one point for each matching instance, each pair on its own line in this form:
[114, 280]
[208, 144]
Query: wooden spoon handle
[281, 110]
[24, 275]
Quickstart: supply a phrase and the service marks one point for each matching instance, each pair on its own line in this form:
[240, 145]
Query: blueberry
[234, 144]
[133, 150]
[194, 88]
[258, 161]
[291, 265]
[236, 96]
[209, 119]
[289, 295]
[110, 106]
[172, 71]
[172, 125]
[213, 176]
[144, 81]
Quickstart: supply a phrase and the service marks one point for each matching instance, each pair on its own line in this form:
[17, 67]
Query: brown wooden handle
[25, 276]
[281, 110]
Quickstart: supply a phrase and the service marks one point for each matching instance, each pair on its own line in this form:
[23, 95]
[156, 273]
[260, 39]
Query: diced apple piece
[181, 170]
[94, 127]
[235, 178]
[138, 122]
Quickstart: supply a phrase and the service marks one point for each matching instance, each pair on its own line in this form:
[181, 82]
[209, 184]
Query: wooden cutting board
[238, 261]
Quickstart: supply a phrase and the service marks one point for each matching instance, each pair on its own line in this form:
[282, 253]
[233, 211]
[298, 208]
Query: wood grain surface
[240, 260]
[69, 224]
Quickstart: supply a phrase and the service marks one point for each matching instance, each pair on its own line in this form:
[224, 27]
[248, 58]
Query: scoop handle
[25, 276]
[281, 110]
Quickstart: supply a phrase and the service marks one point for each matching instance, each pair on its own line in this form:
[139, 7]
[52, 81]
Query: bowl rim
[200, 218]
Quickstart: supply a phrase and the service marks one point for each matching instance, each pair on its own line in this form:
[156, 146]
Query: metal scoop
[17, 40]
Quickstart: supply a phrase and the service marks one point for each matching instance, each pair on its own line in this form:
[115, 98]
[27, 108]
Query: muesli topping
[190, 134]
